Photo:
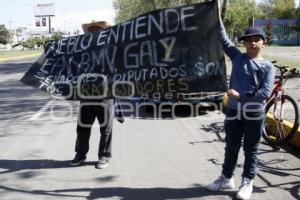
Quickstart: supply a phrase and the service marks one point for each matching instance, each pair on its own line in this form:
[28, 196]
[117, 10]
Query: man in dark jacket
[89, 110]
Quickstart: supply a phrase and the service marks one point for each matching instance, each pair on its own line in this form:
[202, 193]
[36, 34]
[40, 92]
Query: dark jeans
[246, 125]
[104, 112]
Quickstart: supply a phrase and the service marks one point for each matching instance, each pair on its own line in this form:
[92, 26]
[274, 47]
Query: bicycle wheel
[282, 120]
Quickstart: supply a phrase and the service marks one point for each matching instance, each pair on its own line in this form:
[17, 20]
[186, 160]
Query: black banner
[165, 53]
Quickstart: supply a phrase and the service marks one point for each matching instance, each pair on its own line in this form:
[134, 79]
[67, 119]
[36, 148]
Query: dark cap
[254, 31]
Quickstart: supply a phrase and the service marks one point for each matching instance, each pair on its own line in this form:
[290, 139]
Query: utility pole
[10, 22]
[49, 17]
[10, 32]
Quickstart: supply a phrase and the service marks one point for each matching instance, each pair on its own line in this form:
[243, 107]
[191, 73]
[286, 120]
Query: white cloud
[72, 21]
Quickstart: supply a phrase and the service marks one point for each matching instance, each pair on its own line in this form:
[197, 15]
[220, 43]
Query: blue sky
[69, 14]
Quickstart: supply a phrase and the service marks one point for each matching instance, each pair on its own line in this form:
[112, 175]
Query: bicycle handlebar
[295, 73]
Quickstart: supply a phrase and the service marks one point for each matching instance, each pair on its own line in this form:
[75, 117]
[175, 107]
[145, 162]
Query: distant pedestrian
[251, 82]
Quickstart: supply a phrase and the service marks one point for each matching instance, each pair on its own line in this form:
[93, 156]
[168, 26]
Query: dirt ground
[283, 53]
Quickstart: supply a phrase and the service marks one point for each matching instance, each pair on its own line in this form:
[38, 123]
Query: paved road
[152, 159]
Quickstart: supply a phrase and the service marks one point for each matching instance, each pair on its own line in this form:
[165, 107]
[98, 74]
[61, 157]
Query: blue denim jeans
[247, 126]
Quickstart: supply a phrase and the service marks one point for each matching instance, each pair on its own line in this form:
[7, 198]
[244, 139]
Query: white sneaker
[221, 183]
[102, 163]
[245, 189]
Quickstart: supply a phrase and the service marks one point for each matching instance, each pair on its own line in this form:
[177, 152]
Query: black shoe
[102, 163]
[77, 160]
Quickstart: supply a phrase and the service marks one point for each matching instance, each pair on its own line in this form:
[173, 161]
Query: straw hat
[95, 25]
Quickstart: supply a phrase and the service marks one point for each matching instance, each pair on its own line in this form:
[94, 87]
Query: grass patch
[18, 53]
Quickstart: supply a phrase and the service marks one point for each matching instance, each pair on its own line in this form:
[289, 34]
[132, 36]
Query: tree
[30, 43]
[238, 13]
[284, 9]
[56, 36]
[223, 9]
[278, 9]
[127, 9]
[298, 11]
[4, 35]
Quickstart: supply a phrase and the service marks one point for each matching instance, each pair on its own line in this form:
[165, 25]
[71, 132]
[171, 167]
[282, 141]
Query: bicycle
[282, 110]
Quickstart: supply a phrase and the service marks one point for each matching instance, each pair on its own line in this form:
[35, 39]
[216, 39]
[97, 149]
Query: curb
[20, 57]
[295, 141]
